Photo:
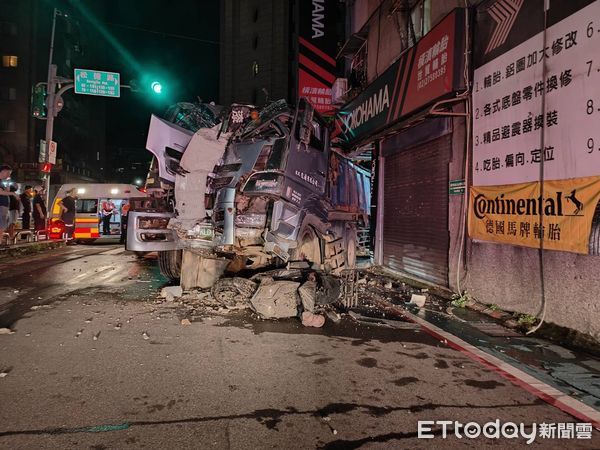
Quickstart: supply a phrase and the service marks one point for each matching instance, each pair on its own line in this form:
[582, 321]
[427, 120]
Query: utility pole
[51, 87]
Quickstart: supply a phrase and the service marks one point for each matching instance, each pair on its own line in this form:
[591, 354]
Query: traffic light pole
[50, 105]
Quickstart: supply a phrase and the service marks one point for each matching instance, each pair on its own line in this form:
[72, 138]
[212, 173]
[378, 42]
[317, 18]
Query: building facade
[79, 129]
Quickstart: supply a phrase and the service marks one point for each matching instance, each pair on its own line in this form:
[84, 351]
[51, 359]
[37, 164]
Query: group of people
[29, 204]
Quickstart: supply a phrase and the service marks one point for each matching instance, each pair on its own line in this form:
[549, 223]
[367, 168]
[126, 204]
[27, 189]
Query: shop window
[10, 61]
[420, 18]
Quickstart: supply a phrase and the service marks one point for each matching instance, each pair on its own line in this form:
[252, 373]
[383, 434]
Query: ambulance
[88, 214]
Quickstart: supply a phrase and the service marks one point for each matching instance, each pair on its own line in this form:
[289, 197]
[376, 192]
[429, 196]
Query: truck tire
[309, 247]
[169, 263]
[350, 247]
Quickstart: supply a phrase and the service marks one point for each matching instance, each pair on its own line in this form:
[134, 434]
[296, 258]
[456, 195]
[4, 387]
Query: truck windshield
[267, 114]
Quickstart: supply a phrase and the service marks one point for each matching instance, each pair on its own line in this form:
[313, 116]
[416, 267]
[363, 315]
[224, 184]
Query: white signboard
[50, 155]
[508, 120]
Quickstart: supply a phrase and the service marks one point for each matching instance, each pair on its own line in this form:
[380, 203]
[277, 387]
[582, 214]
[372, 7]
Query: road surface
[96, 362]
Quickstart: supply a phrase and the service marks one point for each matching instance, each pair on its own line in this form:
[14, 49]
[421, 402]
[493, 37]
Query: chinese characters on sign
[536, 105]
[96, 82]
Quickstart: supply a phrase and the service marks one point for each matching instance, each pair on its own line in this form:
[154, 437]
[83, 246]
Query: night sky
[174, 42]
[187, 68]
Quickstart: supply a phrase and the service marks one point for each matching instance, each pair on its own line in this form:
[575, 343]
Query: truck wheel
[309, 248]
[350, 247]
[169, 263]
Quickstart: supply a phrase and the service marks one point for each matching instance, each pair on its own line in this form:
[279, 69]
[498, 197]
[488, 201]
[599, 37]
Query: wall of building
[510, 277]
[254, 31]
[16, 19]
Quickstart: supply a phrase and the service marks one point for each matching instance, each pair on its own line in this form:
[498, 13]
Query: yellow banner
[510, 214]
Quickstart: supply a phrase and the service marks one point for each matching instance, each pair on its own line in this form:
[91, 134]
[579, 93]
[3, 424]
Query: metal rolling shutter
[415, 223]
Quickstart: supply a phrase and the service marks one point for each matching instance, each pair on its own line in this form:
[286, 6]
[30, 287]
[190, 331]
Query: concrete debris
[276, 299]
[118, 326]
[6, 331]
[229, 291]
[3, 374]
[308, 292]
[185, 322]
[333, 316]
[388, 285]
[171, 292]
[312, 320]
[362, 281]
[96, 336]
[418, 300]
[145, 335]
[78, 333]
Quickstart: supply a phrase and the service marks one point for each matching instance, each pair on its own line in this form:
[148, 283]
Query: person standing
[68, 207]
[26, 205]
[5, 195]
[124, 212]
[107, 211]
[14, 209]
[39, 209]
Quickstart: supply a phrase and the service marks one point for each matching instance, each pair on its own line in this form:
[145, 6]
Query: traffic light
[156, 87]
[39, 109]
[46, 167]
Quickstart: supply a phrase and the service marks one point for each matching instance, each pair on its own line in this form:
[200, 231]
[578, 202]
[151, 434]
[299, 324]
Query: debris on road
[308, 292]
[6, 331]
[185, 322]
[276, 299]
[171, 292]
[78, 333]
[312, 320]
[96, 336]
[418, 300]
[230, 291]
[145, 336]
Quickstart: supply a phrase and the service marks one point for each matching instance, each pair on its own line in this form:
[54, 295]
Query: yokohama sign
[429, 71]
[317, 44]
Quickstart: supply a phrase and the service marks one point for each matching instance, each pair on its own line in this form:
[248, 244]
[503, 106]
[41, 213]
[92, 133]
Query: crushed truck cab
[268, 189]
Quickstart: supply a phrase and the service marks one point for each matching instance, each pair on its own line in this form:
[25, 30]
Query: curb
[516, 376]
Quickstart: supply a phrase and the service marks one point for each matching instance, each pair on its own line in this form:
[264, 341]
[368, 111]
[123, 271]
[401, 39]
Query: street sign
[50, 155]
[456, 187]
[97, 82]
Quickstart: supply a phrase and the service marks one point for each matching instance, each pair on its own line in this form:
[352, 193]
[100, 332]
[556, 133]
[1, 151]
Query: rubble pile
[276, 294]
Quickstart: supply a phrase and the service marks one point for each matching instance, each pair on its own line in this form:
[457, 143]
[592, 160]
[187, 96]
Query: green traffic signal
[39, 109]
[156, 87]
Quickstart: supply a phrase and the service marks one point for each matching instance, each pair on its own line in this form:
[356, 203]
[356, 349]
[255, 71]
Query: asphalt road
[94, 362]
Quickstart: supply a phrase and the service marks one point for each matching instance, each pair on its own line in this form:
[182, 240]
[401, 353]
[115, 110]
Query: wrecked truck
[260, 188]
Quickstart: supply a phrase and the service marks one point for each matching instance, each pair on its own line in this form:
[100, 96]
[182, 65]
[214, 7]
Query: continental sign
[519, 214]
[426, 72]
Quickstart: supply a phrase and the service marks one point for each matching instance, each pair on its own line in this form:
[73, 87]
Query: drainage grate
[494, 329]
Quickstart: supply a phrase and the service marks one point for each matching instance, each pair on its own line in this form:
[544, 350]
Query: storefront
[414, 149]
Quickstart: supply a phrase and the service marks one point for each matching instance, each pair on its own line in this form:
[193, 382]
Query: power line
[162, 33]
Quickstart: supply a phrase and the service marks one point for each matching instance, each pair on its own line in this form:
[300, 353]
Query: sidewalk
[574, 374]
[28, 248]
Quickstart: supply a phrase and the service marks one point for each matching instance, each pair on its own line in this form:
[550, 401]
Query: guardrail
[27, 236]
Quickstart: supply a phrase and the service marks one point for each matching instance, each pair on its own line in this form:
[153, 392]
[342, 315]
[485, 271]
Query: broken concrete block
[276, 299]
[171, 292]
[333, 316]
[5, 331]
[308, 292]
[312, 320]
[185, 322]
[418, 300]
[200, 272]
[388, 285]
[229, 291]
